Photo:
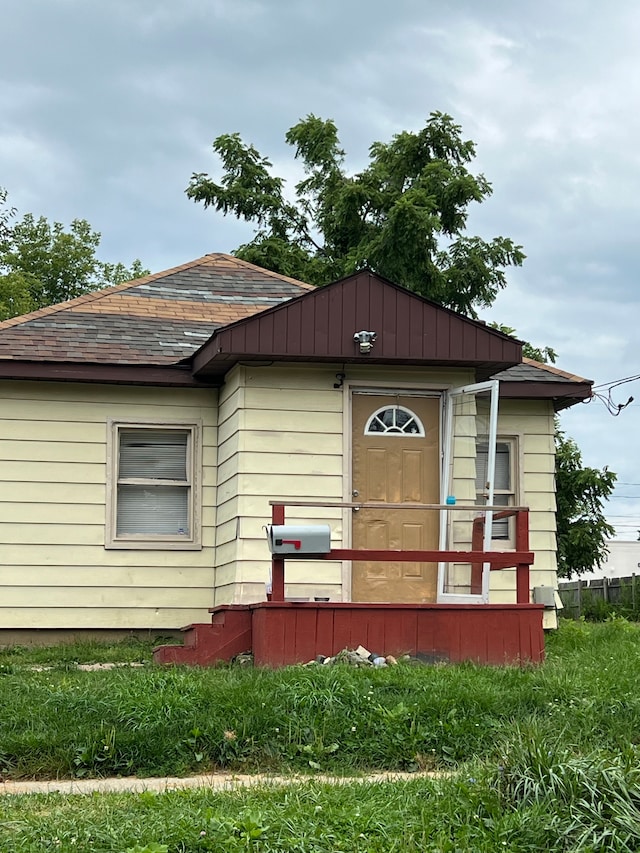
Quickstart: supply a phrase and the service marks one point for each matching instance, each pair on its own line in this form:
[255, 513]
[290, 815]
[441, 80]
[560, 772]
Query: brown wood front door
[395, 459]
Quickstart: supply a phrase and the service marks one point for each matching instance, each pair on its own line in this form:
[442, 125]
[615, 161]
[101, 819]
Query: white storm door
[465, 423]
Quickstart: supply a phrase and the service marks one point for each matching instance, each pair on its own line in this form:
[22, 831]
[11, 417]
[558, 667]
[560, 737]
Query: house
[145, 428]
[622, 561]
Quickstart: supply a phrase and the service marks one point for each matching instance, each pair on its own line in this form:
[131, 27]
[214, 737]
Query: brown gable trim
[320, 326]
[110, 374]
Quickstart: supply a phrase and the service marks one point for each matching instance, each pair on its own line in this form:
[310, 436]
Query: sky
[106, 109]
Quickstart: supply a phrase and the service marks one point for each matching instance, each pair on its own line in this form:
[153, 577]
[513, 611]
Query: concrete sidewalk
[212, 781]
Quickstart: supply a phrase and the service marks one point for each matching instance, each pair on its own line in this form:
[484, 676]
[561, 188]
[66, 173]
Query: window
[394, 420]
[153, 496]
[504, 491]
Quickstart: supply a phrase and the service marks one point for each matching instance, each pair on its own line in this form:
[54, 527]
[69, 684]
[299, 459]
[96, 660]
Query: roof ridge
[271, 273]
[573, 377]
[96, 295]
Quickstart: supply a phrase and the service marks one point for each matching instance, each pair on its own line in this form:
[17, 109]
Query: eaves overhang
[320, 326]
[563, 395]
[534, 380]
[109, 374]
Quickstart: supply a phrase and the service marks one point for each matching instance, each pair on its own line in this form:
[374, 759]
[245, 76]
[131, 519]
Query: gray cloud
[106, 110]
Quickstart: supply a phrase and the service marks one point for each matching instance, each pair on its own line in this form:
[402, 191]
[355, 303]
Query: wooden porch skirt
[283, 633]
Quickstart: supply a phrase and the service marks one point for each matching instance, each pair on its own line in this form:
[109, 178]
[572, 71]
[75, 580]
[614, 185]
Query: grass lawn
[62, 722]
[534, 802]
[546, 757]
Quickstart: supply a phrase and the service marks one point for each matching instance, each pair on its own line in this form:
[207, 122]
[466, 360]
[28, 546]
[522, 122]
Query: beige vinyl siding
[230, 413]
[54, 569]
[531, 422]
[284, 437]
[282, 433]
[292, 436]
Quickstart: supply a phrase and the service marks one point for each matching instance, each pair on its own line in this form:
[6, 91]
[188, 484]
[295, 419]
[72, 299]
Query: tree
[581, 525]
[15, 295]
[42, 264]
[580, 493]
[403, 216]
[546, 355]
[6, 214]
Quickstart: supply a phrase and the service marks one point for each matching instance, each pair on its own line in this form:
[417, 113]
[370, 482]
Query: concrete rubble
[356, 657]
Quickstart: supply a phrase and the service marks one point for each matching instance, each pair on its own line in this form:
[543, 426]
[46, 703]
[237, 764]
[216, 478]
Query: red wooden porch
[280, 632]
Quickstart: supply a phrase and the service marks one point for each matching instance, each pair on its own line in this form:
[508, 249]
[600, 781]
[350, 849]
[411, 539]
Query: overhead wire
[603, 390]
[615, 382]
[614, 409]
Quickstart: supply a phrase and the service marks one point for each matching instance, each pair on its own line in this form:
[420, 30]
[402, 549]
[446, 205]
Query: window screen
[503, 490]
[154, 482]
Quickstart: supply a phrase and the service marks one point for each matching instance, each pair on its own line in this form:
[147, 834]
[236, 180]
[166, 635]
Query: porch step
[228, 635]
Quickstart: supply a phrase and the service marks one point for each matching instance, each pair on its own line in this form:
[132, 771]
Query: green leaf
[404, 215]
[43, 263]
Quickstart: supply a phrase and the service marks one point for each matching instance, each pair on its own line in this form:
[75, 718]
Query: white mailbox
[310, 540]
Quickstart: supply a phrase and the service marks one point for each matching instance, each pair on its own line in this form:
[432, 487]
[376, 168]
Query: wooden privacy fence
[581, 597]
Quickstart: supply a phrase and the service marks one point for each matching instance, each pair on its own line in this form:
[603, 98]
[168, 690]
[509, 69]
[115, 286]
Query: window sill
[152, 545]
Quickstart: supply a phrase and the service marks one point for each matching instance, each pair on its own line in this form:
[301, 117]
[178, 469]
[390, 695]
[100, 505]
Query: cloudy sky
[107, 108]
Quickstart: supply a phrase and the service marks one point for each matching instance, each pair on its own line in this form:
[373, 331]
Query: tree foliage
[581, 491]
[6, 214]
[403, 216]
[545, 355]
[43, 263]
[581, 525]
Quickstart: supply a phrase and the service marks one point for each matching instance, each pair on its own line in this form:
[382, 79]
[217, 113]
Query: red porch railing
[522, 544]
[520, 559]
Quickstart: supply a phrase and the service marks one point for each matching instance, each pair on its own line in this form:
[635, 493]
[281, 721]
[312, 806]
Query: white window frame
[155, 541]
[508, 544]
[395, 431]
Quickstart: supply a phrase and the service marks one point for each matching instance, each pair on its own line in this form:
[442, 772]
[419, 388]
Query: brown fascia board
[207, 358]
[215, 371]
[562, 394]
[109, 374]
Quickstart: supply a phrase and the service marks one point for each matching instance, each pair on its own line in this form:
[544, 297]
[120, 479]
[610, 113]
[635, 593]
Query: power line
[615, 382]
[619, 515]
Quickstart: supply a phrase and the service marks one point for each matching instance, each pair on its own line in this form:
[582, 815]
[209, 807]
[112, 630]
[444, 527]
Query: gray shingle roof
[535, 371]
[158, 319]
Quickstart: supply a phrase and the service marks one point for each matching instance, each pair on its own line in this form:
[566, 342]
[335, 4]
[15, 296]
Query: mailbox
[310, 540]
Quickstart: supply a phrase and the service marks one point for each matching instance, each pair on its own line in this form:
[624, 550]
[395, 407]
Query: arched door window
[394, 420]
